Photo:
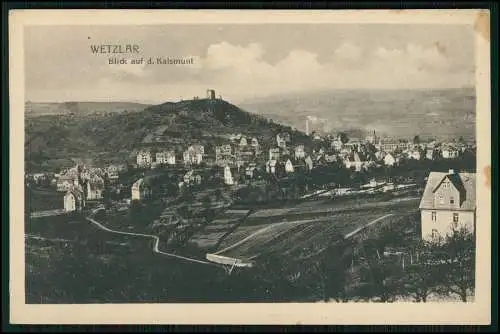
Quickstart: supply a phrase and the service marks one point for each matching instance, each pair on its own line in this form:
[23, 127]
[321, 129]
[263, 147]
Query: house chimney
[451, 171]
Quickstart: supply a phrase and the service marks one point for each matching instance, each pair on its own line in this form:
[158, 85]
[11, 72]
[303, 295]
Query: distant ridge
[438, 113]
[34, 109]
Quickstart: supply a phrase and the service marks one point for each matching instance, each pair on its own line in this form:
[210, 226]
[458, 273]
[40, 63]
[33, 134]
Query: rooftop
[465, 182]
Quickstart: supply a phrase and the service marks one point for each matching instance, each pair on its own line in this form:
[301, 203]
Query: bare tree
[456, 261]
[421, 275]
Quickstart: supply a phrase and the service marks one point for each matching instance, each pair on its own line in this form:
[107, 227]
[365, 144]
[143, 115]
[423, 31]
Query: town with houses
[270, 168]
[215, 204]
[243, 160]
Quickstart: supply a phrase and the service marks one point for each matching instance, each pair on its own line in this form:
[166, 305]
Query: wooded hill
[53, 141]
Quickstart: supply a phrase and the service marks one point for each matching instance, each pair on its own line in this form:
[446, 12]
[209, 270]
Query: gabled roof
[454, 179]
[356, 157]
[464, 182]
[371, 156]
[96, 182]
[167, 153]
[389, 155]
[197, 148]
[138, 183]
[76, 192]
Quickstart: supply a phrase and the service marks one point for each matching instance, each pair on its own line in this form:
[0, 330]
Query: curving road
[156, 243]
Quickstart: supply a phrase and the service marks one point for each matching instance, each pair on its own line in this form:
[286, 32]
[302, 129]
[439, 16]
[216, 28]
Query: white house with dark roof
[414, 154]
[389, 160]
[337, 144]
[74, 200]
[144, 159]
[449, 152]
[250, 171]
[194, 154]
[223, 155]
[386, 145]
[271, 166]
[274, 153]
[282, 139]
[431, 153]
[289, 168]
[165, 157]
[300, 152]
[64, 183]
[141, 190]
[449, 199]
[243, 141]
[191, 177]
[380, 155]
[308, 163]
[356, 160]
[228, 176]
[95, 187]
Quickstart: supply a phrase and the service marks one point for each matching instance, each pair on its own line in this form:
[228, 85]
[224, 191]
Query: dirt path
[40, 238]
[47, 213]
[348, 235]
[155, 246]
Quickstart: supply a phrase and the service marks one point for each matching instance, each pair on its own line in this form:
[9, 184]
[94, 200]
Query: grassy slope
[45, 199]
[71, 261]
[342, 217]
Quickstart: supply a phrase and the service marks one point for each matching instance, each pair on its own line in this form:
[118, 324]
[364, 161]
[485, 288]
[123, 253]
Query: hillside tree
[455, 258]
[421, 275]
[343, 137]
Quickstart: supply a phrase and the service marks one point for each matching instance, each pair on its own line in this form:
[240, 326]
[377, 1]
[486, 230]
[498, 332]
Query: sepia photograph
[213, 161]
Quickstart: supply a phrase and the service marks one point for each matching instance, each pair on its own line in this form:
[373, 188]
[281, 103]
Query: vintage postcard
[250, 167]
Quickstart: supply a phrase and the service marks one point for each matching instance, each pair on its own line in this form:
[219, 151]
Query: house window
[452, 200]
[455, 217]
[440, 198]
[433, 216]
[435, 233]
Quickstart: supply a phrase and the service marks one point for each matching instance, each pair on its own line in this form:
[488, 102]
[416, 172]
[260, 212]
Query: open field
[314, 209]
[209, 236]
[41, 199]
[69, 260]
[308, 227]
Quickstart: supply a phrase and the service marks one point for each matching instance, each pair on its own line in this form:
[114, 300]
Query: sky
[242, 62]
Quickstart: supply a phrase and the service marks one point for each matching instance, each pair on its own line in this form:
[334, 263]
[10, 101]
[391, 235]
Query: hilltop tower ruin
[210, 94]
